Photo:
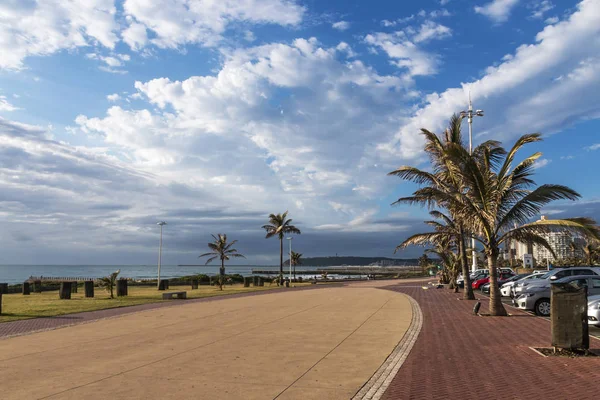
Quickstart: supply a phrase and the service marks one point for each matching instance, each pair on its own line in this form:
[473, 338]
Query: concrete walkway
[298, 344]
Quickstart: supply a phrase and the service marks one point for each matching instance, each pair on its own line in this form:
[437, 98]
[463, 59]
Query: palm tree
[223, 251]
[295, 260]
[446, 239]
[443, 186]
[279, 226]
[499, 198]
[591, 251]
[109, 282]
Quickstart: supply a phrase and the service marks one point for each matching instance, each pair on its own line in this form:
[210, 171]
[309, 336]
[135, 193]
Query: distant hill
[351, 260]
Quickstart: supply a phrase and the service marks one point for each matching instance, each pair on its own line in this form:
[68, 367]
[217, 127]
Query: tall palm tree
[296, 259]
[445, 183]
[222, 250]
[499, 197]
[279, 226]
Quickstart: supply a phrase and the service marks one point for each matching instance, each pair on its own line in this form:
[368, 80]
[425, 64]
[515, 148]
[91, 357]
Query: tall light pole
[290, 239]
[161, 223]
[469, 114]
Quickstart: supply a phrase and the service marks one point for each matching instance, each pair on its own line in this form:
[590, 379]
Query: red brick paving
[462, 356]
[25, 326]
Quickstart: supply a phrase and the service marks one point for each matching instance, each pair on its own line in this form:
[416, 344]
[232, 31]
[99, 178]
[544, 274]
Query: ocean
[13, 274]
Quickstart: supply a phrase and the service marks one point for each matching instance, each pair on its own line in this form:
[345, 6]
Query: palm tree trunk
[280, 260]
[468, 292]
[221, 274]
[496, 307]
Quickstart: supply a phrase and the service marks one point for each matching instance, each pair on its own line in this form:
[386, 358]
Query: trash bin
[568, 315]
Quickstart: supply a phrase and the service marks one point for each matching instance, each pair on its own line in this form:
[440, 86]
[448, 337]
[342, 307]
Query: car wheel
[542, 307]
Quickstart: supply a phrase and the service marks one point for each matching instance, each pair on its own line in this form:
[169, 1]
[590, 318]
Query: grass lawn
[47, 304]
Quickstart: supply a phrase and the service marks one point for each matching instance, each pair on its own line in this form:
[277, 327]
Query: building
[559, 241]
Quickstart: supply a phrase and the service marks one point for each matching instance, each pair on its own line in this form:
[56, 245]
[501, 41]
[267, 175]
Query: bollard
[167, 284]
[65, 291]
[246, 281]
[89, 289]
[37, 286]
[476, 308]
[287, 283]
[299, 279]
[162, 285]
[4, 288]
[194, 284]
[121, 287]
[73, 287]
[26, 289]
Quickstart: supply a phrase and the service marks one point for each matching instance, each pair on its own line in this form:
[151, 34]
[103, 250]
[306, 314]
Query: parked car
[506, 290]
[480, 282]
[461, 282]
[594, 311]
[555, 274]
[537, 298]
[502, 280]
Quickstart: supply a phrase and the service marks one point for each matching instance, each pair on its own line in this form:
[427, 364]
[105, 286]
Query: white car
[594, 311]
[507, 289]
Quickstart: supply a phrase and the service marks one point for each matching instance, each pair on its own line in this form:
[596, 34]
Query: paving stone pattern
[462, 356]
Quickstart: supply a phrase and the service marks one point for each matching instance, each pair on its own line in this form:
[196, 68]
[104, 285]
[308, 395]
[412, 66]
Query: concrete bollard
[37, 286]
[163, 285]
[122, 287]
[26, 289]
[65, 291]
[73, 287]
[194, 284]
[246, 281]
[4, 288]
[89, 289]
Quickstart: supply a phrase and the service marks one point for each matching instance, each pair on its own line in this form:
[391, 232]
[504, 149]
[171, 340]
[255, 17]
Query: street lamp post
[469, 114]
[161, 224]
[290, 239]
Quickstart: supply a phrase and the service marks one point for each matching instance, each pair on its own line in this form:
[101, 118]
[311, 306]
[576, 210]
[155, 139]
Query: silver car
[537, 298]
[594, 311]
[553, 275]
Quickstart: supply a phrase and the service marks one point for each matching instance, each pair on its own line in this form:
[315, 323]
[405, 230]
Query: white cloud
[542, 162]
[5, 105]
[525, 81]
[341, 25]
[432, 30]
[497, 10]
[567, 157]
[135, 36]
[540, 8]
[230, 125]
[594, 147]
[175, 23]
[551, 20]
[113, 97]
[46, 27]
[113, 62]
[403, 47]
[444, 2]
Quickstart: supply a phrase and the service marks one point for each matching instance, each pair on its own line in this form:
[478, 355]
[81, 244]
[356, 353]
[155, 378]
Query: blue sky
[210, 115]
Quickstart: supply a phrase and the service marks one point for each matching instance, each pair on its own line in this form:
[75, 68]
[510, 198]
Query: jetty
[353, 270]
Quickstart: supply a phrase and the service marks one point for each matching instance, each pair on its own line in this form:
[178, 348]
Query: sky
[210, 115]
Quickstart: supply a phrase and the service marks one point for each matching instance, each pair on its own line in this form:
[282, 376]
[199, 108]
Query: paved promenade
[461, 356]
[296, 344]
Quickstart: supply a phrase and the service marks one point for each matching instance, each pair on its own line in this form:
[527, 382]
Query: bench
[170, 295]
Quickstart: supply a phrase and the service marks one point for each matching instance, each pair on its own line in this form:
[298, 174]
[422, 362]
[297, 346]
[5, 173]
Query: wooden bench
[170, 295]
